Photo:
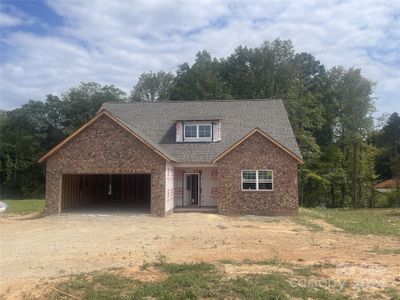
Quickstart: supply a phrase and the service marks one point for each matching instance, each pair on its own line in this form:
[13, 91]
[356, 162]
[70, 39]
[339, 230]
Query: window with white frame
[257, 180]
[197, 132]
[204, 131]
[190, 131]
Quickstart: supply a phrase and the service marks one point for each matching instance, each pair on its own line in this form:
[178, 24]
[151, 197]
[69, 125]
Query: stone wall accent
[258, 153]
[105, 148]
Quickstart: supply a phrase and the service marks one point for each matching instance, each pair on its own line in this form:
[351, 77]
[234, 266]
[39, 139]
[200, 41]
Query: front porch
[191, 188]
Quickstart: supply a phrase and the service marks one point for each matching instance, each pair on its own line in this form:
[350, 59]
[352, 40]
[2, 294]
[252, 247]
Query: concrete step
[198, 209]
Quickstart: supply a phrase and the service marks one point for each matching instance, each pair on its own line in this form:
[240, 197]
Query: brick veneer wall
[105, 148]
[258, 153]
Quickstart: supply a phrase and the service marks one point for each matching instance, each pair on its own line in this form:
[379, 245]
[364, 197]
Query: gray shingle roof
[156, 121]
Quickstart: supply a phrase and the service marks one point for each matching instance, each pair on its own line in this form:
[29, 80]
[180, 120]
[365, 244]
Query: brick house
[239, 157]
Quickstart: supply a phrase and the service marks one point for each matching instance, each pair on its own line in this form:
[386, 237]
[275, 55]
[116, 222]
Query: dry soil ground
[35, 250]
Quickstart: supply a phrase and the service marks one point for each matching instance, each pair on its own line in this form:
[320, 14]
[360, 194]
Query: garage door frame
[75, 196]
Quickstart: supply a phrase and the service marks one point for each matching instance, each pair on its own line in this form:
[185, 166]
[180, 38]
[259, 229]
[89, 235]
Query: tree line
[330, 110]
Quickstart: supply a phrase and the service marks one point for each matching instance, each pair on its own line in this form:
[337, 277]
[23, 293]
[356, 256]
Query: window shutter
[217, 131]
[179, 132]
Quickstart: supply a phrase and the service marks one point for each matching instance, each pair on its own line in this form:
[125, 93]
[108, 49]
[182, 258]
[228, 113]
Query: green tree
[355, 123]
[28, 132]
[201, 81]
[392, 134]
[260, 72]
[388, 141]
[81, 103]
[22, 133]
[152, 87]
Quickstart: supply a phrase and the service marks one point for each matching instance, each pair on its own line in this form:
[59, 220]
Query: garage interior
[106, 193]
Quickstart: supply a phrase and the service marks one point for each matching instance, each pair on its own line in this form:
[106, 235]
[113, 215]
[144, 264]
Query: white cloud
[12, 17]
[112, 42]
[7, 20]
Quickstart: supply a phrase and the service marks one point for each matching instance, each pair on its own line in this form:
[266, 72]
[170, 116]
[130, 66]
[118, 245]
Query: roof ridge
[191, 101]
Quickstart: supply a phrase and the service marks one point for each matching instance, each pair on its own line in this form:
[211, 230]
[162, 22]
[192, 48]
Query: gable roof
[390, 183]
[140, 136]
[265, 135]
[156, 121]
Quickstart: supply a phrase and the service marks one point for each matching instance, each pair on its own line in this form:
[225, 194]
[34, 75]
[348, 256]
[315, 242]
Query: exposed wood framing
[80, 189]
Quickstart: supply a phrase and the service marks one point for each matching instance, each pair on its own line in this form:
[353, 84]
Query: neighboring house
[387, 185]
[240, 157]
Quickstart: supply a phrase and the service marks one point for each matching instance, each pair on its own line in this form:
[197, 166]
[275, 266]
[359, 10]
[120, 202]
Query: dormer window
[197, 132]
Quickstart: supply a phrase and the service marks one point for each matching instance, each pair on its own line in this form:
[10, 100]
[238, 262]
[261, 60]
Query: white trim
[216, 131]
[256, 189]
[179, 132]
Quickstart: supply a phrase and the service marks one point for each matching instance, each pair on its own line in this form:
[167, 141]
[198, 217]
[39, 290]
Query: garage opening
[106, 192]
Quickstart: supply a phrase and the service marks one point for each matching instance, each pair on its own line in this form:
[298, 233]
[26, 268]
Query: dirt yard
[36, 250]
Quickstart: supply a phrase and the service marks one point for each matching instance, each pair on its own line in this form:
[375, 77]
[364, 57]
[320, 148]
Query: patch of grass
[24, 206]
[392, 294]
[305, 221]
[227, 261]
[304, 271]
[171, 268]
[184, 281]
[359, 221]
[96, 285]
[378, 250]
[274, 261]
[145, 265]
[190, 281]
[246, 288]
[281, 286]
[324, 265]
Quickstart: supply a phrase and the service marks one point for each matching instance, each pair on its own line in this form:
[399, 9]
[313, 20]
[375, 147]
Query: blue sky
[49, 46]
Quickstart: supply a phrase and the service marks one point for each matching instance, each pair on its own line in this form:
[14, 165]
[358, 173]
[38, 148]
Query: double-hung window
[257, 180]
[190, 131]
[197, 132]
[204, 131]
